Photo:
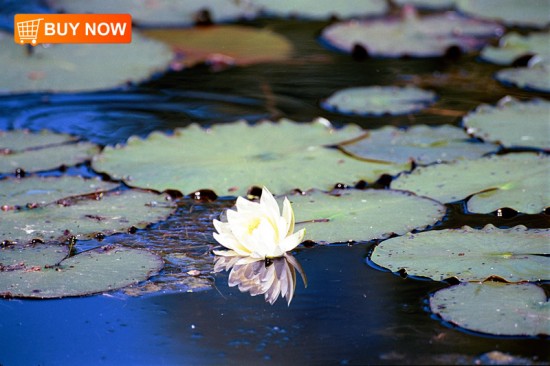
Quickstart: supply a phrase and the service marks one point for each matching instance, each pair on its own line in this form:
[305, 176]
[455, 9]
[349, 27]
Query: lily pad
[222, 45]
[495, 308]
[517, 181]
[420, 143]
[232, 157]
[512, 123]
[428, 36]
[79, 67]
[40, 271]
[516, 254]
[379, 100]
[536, 77]
[32, 191]
[313, 9]
[354, 215]
[162, 12]
[84, 217]
[32, 152]
[514, 45]
[532, 13]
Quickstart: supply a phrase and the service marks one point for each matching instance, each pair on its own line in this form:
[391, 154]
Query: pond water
[350, 313]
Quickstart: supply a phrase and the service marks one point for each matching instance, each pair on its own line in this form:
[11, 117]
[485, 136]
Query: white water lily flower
[258, 230]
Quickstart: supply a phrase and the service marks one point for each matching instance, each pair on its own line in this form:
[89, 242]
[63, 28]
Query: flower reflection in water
[270, 277]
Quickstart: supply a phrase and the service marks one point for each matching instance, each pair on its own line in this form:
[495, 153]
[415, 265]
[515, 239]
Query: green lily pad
[33, 191]
[79, 67]
[224, 45]
[536, 77]
[495, 308]
[84, 217]
[420, 143]
[40, 271]
[516, 254]
[354, 215]
[533, 13]
[514, 45]
[512, 123]
[161, 12]
[517, 181]
[411, 35]
[379, 100]
[232, 157]
[41, 151]
[313, 9]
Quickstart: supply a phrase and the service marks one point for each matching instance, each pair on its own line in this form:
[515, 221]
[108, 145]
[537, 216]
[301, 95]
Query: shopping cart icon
[28, 30]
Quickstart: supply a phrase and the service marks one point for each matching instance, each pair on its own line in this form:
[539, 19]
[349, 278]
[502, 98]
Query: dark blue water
[350, 313]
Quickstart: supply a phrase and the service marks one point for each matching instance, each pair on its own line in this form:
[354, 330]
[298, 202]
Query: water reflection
[270, 277]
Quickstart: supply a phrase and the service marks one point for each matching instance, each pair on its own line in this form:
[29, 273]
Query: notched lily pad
[533, 13]
[84, 217]
[536, 77]
[41, 271]
[355, 215]
[516, 254]
[41, 151]
[513, 45]
[379, 100]
[163, 12]
[232, 157]
[517, 181]
[411, 35]
[314, 9]
[420, 143]
[80, 67]
[512, 123]
[495, 308]
[223, 45]
[32, 191]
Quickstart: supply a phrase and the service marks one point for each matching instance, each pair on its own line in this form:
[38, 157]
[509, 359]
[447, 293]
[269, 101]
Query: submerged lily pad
[162, 12]
[84, 217]
[428, 36]
[41, 271]
[44, 150]
[517, 181]
[514, 45]
[379, 100]
[512, 123]
[420, 143]
[224, 45]
[536, 77]
[516, 254]
[321, 9]
[354, 215]
[531, 13]
[232, 157]
[79, 67]
[495, 308]
[33, 191]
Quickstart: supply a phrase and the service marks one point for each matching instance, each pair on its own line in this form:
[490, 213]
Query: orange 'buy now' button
[72, 28]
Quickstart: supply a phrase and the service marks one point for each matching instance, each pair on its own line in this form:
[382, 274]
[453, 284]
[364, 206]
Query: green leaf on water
[512, 123]
[517, 181]
[230, 158]
[355, 215]
[41, 151]
[420, 143]
[536, 77]
[84, 217]
[514, 45]
[533, 13]
[515, 254]
[495, 308]
[40, 271]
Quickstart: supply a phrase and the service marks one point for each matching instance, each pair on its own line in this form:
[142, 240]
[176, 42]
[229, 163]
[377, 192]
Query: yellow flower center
[253, 225]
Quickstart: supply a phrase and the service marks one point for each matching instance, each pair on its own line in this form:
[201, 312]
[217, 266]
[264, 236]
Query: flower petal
[292, 241]
[288, 215]
[268, 203]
